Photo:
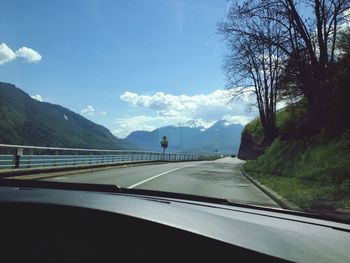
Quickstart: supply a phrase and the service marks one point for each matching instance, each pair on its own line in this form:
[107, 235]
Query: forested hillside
[26, 121]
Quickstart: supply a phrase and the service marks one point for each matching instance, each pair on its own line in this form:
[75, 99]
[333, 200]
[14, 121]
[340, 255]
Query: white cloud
[89, 110]
[28, 54]
[37, 97]
[238, 119]
[345, 26]
[7, 54]
[211, 106]
[129, 124]
[171, 109]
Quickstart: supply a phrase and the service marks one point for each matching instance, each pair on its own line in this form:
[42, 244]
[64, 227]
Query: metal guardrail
[20, 156]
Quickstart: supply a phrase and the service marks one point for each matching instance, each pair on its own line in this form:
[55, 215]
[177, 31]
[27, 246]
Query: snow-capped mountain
[198, 123]
[225, 123]
[192, 136]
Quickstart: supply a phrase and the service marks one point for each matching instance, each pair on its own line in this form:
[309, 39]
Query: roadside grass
[314, 174]
[255, 129]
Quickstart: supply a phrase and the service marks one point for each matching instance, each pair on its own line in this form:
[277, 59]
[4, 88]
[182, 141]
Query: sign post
[164, 143]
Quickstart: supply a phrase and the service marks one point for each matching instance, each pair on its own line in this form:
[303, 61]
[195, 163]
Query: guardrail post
[30, 158]
[75, 159]
[44, 158]
[17, 157]
[56, 158]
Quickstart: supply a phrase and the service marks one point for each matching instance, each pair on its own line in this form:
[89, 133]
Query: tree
[254, 66]
[340, 79]
[305, 40]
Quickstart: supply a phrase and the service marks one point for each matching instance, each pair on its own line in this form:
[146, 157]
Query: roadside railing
[20, 156]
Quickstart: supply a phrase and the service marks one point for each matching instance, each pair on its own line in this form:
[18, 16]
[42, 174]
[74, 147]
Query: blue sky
[126, 64]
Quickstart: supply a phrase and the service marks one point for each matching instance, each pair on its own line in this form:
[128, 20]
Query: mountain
[195, 124]
[192, 136]
[26, 121]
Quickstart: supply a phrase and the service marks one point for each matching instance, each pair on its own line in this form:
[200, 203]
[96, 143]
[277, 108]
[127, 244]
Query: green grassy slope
[313, 172]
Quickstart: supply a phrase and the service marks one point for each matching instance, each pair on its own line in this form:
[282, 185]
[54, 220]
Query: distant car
[221, 156]
[233, 156]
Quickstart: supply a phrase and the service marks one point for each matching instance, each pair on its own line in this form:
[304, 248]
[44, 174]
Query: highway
[220, 178]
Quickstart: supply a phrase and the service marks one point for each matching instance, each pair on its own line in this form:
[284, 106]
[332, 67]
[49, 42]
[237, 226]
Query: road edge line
[281, 201]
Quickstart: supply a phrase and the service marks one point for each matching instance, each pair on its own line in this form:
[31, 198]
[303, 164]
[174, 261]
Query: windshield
[240, 100]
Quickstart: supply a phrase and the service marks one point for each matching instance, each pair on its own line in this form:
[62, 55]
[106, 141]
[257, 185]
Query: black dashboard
[54, 225]
[53, 233]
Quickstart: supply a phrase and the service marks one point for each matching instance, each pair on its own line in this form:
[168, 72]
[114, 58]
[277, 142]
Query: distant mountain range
[193, 136]
[26, 121]
[195, 124]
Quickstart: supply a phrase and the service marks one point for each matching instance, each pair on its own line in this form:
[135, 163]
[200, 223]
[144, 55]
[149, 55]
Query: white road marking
[60, 178]
[153, 177]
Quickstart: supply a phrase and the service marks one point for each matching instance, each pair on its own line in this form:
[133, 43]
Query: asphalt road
[221, 179]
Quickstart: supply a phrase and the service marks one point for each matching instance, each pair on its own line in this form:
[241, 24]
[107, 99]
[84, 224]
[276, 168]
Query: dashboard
[56, 225]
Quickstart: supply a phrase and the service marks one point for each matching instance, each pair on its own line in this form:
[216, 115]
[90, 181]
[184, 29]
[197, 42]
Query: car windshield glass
[245, 101]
